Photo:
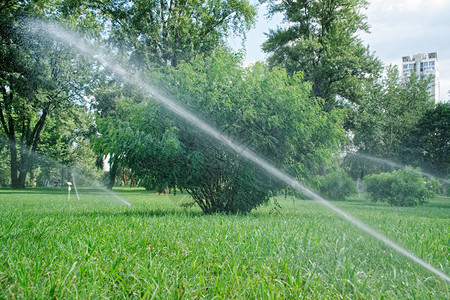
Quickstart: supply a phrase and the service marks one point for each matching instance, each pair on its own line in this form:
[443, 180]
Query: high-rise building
[423, 65]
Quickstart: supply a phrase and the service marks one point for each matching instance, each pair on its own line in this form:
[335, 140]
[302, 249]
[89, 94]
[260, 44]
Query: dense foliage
[168, 32]
[47, 92]
[427, 144]
[321, 40]
[158, 34]
[39, 79]
[336, 185]
[267, 111]
[401, 188]
[389, 112]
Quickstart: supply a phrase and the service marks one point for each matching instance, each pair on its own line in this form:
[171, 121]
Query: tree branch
[2, 117]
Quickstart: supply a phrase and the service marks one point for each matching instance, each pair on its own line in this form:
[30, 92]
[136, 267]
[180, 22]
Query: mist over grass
[95, 248]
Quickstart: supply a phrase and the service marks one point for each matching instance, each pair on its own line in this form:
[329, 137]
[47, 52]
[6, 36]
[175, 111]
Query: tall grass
[97, 248]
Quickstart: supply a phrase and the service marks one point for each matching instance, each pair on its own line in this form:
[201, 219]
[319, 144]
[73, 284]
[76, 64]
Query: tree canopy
[170, 31]
[427, 144]
[37, 79]
[268, 111]
[321, 40]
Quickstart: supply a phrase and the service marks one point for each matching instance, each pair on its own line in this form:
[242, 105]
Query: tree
[36, 80]
[267, 111]
[169, 31]
[427, 144]
[65, 143]
[391, 108]
[159, 34]
[106, 96]
[321, 41]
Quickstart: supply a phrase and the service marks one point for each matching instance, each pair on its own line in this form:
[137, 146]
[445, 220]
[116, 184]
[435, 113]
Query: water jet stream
[397, 166]
[72, 40]
[100, 187]
[75, 187]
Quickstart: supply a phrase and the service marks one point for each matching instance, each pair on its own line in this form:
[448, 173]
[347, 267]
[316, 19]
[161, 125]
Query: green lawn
[98, 248]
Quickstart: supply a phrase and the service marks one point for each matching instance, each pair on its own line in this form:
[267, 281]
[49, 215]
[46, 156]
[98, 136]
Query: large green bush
[263, 109]
[400, 188]
[336, 185]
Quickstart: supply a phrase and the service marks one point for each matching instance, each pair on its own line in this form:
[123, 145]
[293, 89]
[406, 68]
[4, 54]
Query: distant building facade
[423, 65]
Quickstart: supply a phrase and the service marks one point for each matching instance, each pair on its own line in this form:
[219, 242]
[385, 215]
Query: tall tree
[427, 145]
[108, 98]
[321, 40]
[36, 80]
[391, 108]
[64, 141]
[168, 31]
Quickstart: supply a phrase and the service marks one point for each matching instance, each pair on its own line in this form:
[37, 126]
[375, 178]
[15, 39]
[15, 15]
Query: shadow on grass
[143, 213]
[33, 191]
[94, 190]
[438, 205]
[364, 202]
[150, 213]
[84, 190]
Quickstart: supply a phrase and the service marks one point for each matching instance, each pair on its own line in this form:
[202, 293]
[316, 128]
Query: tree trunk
[112, 174]
[32, 179]
[14, 164]
[21, 165]
[27, 150]
[25, 168]
[22, 178]
[7, 122]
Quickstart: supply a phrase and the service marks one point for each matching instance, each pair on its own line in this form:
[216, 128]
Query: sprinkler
[69, 184]
[75, 187]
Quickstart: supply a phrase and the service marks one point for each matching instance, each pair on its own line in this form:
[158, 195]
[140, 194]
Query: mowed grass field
[97, 248]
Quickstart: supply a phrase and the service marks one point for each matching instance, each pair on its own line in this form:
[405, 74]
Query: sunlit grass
[98, 248]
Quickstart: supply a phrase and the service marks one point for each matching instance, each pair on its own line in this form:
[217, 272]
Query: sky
[398, 28]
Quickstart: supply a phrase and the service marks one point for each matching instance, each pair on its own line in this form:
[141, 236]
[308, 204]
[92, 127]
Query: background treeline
[321, 99]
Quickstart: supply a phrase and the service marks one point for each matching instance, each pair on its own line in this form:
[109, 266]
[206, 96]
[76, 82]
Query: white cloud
[407, 27]
[408, 6]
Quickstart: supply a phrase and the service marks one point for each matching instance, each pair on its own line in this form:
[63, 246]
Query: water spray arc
[99, 186]
[395, 165]
[72, 40]
[75, 187]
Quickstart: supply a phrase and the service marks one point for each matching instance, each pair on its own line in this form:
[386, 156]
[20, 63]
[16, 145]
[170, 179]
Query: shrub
[400, 188]
[336, 185]
[433, 185]
[267, 110]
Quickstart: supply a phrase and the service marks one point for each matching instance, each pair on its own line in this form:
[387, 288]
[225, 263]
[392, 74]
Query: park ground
[96, 247]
